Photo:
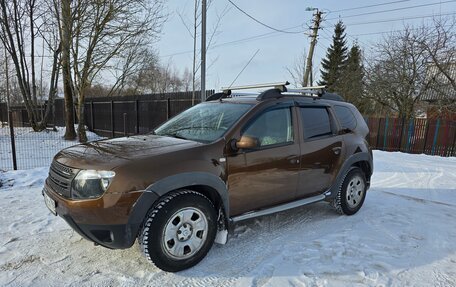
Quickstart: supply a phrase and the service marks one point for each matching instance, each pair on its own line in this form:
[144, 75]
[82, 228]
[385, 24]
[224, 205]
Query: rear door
[321, 150]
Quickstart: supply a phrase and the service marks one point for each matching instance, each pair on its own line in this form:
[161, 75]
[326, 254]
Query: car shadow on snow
[313, 241]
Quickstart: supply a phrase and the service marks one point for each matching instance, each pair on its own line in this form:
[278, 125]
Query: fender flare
[349, 162]
[159, 188]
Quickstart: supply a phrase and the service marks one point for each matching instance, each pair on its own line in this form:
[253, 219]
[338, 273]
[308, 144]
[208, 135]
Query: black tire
[347, 204]
[152, 236]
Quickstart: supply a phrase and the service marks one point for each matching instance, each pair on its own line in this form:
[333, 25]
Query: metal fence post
[400, 136]
[125, 123]
[137, 115]
[92, 123]
[168, 108]
[13, 143]
[378, 132]
[112, 118]
[426, 130]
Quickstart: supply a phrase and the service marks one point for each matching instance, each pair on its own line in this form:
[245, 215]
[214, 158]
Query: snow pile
[34, 149]
[404, 235]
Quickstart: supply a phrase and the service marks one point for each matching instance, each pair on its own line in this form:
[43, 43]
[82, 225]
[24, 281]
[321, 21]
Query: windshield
[205, 122]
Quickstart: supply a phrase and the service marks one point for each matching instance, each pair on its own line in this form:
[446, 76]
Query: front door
[268, 174]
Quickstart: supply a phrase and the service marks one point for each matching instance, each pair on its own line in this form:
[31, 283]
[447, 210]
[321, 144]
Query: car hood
[110, 153]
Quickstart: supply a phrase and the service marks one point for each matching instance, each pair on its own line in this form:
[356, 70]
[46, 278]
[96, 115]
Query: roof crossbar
[318, 90]
[280, 85]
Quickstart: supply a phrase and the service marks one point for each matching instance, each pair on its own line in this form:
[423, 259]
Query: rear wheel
[352, 193]
[179, 230]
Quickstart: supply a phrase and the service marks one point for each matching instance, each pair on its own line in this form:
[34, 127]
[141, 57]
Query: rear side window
[315, 122]
[346, 117]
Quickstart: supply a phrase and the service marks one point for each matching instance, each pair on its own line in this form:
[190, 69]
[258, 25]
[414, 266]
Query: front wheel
[179, 230]
[352, 192]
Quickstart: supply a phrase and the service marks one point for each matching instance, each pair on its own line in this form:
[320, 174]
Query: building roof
[440, 88]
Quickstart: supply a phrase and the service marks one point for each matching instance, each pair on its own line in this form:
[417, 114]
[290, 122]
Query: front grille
[60, 178]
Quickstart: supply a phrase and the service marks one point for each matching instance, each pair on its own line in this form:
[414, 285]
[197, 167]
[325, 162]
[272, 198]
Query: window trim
[332, 123]
[259, 114]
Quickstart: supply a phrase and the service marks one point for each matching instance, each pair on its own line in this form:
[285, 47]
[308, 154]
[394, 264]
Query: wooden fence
[428, 136]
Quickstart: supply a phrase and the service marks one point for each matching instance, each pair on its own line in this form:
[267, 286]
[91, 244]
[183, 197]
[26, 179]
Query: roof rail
[279, 85]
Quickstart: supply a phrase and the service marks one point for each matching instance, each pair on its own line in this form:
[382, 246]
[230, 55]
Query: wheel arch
[207, 184]
[362, 160]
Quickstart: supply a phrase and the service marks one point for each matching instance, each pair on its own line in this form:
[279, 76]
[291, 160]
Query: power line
[274, 34]
[396, 19]
[239, 41]
[400, 19]
[261, 23]
[369, 6]
[392, 10]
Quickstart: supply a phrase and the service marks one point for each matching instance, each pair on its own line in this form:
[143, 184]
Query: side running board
[278, 208]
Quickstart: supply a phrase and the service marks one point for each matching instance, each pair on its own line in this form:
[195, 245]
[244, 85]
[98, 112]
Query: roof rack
[278, 90]
[319, 90]
[279, 85]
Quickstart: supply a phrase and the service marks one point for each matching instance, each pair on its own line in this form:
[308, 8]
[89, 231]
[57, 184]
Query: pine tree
[352, 78]
[335, 61]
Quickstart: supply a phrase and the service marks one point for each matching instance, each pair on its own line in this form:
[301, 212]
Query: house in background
[441, 93]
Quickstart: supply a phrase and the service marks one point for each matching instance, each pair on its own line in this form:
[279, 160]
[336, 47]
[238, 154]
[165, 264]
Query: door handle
[337, 150]
[293, 159]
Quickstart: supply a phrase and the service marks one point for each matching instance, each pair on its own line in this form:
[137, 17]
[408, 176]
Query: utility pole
[203, 50]
[313, 42]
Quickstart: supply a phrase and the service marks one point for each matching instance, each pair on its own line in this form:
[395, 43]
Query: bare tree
[64, 18]
[101, 33]
[19, 29]
[298, 69]
[439, 43]
[396, 73]
[192, 30]
[408, 65]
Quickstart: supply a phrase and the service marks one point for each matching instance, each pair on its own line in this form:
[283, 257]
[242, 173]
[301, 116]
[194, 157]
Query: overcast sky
[277, 50]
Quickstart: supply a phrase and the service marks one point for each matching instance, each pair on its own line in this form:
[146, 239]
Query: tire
[352, 192]
[179, 230]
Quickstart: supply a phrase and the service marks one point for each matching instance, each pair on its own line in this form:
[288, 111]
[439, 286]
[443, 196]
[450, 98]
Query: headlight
[91, 183]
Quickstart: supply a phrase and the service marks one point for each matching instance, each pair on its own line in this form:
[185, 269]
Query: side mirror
[246, 142]
[345, 131]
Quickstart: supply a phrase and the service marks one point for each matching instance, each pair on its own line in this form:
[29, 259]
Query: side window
[272, 127]
[345, 117]
[315, 122]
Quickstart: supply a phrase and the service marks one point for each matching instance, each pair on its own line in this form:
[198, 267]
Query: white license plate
[50, 203]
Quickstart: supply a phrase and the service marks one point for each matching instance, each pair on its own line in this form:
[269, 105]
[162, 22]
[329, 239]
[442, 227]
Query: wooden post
[112, 119]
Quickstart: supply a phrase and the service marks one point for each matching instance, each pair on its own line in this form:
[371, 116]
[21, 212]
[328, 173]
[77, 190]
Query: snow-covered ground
[33, 149]
[405, 235]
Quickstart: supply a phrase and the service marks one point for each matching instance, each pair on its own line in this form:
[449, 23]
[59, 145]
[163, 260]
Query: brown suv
[231, 158]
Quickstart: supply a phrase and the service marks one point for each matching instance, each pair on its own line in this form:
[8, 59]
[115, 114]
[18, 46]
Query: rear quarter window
[346, 117]
[316, 122]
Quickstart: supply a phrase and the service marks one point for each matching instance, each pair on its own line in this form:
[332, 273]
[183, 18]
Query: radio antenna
[251, 58]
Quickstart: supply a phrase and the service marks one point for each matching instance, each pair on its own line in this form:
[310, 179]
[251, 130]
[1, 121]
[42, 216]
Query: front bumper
[112, 221]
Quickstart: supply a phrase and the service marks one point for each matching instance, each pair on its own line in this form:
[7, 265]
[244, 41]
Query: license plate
[50, 203]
